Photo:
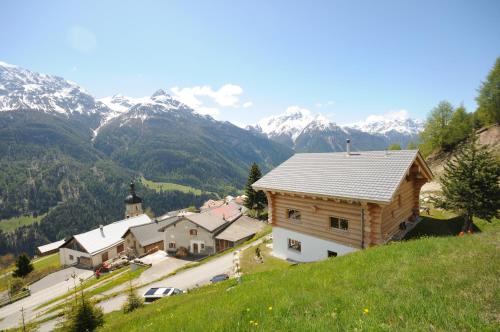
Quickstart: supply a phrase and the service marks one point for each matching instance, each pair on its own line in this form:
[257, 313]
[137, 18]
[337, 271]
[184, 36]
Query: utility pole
[22, 318]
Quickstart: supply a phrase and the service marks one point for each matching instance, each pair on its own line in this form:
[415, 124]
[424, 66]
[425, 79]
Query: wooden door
[104, 256]
[195, 248]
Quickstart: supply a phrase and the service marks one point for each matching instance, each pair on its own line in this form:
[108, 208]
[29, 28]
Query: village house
[196, 232]
[92, 248]
[329, 204]
[49, 248]
[241, 230]
[145, 239]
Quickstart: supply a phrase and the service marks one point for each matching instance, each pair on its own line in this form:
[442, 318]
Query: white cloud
[197, 97]
[81, 39]
[247, 104]
[225, 96]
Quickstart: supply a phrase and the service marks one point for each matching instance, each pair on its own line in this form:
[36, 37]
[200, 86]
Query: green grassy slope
[169, 186]
[442, 284]
[11, 224]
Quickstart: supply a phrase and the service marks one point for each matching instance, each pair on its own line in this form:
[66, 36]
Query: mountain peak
[158, 93]
[399, 122]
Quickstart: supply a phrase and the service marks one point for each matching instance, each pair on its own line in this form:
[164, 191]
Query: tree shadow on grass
[430, 226]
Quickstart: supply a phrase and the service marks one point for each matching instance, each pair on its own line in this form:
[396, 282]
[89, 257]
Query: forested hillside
[49, 166]
[170, 143]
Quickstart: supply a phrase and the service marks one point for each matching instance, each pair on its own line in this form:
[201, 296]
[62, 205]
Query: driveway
[51, 286]
[187, 279]
[162, 265]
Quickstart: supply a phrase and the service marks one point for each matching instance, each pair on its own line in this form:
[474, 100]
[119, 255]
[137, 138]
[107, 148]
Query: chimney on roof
[101, 227]
[348, 146]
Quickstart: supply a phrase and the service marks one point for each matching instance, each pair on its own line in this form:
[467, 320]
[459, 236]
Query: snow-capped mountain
[139, 108]
[399, 122]
[300, 129]
[286, 127]
[22, 89]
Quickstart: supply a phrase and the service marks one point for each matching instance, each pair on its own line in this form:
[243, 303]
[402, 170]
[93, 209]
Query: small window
[193, 232]
[332, 253]
[171, 245]
[294, 245]
[293, 214]
[120, 248]
[339, 223]
[202, 246]
[71, 257]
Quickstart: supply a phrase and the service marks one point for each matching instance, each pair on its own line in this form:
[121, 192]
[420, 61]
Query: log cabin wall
[400, 209]
[315, 217]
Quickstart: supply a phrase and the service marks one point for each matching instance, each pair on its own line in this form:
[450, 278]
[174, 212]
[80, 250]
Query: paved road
[187, 279]
[43, 290]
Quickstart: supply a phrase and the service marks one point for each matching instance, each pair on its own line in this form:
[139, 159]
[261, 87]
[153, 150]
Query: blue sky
[344, 59]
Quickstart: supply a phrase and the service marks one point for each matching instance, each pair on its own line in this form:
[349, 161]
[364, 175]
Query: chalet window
[71, 257]
[193, 232]
[332, 253]
[171, 245]
[294, 245]
[293, 215]
[119, 248]
[339, 223]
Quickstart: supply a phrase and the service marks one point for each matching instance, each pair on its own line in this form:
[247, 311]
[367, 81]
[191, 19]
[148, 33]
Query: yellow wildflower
[270, 308]
[366, 311]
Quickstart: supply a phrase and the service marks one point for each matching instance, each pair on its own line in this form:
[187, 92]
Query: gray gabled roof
[207, 220]
[367, 176]
[241, 229]
[100, 239]
[149, 233]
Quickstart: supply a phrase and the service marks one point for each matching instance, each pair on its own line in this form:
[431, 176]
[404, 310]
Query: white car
[156, 293]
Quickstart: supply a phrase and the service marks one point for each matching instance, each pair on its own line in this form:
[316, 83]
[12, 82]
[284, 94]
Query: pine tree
[256, 200]
[82, 316]
[23, 266]
[133, 300]
[471, 184]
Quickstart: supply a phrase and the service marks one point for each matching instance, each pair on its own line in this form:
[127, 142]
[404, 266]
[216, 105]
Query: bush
[15, 286]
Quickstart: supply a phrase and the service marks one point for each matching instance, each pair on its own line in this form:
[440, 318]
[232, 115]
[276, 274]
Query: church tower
[133, 203]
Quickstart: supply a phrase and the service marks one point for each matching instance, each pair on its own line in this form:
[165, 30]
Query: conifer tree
[471, 184]
[255, 199]
[133, 300]
[23, 266]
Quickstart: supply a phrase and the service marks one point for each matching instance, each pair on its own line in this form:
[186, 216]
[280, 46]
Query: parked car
[219, 277]
[156, 293]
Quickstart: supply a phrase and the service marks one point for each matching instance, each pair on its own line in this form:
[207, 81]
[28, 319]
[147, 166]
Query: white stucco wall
[64, 254]
[312, 248]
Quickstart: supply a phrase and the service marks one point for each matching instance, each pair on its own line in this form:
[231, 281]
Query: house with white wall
[328, 204]
[92, 248]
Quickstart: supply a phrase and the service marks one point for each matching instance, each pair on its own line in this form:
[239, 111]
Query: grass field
[10, 225]
[42, 267]
[249, 263]
[168, 186]
[432, 283]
